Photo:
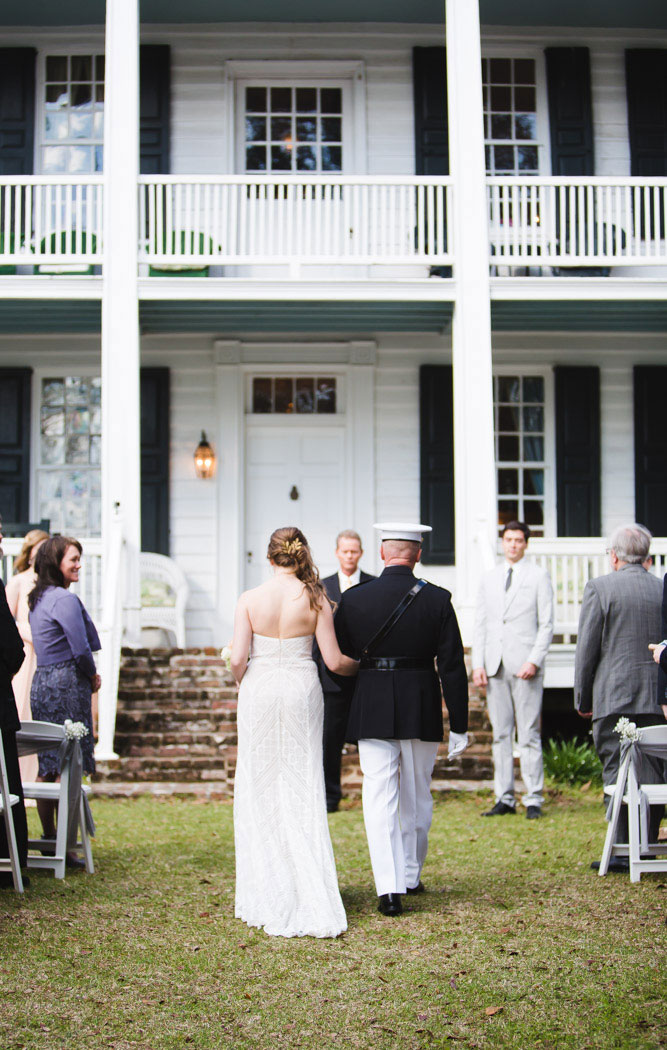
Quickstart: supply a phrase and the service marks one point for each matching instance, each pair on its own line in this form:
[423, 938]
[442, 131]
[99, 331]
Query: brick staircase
[176, 731]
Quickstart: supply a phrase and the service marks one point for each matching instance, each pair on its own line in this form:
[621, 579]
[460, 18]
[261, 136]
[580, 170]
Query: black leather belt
[394, 663]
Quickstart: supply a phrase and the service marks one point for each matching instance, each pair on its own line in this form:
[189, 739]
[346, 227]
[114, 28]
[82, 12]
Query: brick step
[174, 716]
[163, 745]
[201, 736]
[141, 698]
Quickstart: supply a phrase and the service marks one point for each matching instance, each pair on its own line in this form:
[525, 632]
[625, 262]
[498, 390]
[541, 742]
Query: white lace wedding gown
[285, 870]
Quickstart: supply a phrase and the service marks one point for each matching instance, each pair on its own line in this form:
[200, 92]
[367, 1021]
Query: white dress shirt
[348, 581]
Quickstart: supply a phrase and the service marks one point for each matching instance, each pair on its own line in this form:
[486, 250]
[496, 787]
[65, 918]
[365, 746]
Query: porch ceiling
[579, 316]
[36, 316]
[649, 14]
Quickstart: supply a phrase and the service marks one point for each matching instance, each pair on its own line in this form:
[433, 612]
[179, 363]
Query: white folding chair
[637, 797]
[58, 793]
[7, 800]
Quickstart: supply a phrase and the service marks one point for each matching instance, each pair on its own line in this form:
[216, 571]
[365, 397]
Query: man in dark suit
[11, 658]
[337, 690]
[396, 711]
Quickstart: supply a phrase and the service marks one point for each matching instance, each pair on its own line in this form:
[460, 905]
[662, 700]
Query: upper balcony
[304, 229]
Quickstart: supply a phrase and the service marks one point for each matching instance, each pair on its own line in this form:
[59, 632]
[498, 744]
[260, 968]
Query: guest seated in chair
[64, 638]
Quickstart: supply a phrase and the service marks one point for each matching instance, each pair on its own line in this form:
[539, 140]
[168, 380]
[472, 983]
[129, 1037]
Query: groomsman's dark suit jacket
[11, 658]
[662, 672]
[404, 704]
[337, 696]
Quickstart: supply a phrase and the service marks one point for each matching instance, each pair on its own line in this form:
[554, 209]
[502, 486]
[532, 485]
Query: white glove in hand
[458, 742]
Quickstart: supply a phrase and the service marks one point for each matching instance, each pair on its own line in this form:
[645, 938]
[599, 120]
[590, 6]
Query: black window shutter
[646, 83]
[651, 448]
[15, 385]
[429, 70]
[570, 110]
[436, 414]
[155, 460]
[154, 109]
[578, 451]
[17, 110]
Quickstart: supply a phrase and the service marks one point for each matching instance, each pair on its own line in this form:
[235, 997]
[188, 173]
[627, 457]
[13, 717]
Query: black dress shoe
[533, 813]
[499, 810]
[332, 807]
[390, 904]
[6, 879]
[615, 864]
[419, 888]
[74, 862]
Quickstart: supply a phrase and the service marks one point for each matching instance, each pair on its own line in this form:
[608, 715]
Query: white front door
[295, 475]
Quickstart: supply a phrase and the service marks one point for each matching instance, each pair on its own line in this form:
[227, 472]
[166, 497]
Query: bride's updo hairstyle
[288, 548]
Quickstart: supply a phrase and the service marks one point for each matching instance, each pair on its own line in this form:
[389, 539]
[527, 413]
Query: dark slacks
[653, 770]
[18, 811]
[336, 712]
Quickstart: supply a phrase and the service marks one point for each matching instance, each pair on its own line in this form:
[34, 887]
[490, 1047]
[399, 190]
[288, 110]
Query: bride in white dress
[285, 871]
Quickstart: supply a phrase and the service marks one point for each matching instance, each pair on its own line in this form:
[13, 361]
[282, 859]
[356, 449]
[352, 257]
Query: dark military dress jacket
[404, 703]
[333, 683]
[11, 658]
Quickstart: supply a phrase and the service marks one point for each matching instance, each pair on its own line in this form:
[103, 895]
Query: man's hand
[458, 742]
[657, 648]
[479, 677]
[527, 671]
[664, 710]
[585, 714]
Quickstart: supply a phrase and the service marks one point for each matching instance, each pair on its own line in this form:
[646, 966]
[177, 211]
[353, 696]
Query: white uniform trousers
[398, 808]
[511, 699]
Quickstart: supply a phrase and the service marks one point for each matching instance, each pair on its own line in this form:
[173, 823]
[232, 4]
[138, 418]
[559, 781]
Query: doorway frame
[354, 362]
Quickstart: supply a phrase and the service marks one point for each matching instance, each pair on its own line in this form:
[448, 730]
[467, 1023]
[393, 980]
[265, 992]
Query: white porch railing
[51, 219]
[571, 562]
[589, 221]
[89, 587]
[265, 219]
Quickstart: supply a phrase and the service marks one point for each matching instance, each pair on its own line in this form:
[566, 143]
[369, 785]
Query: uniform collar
[398, 570]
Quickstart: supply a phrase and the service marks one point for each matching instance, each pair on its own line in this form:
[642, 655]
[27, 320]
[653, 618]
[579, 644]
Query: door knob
[248, 555]
[294, 493]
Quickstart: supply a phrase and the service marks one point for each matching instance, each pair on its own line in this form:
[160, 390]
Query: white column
[230, 479]
[120, 310]
[474, 457]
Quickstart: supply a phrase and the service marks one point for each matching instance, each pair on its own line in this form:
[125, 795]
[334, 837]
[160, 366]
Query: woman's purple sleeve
[68, 612]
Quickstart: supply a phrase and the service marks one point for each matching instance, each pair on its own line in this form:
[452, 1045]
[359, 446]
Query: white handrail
[89, 587]
[111, 636]
[270, 219]
[51, 219]
[596, 221]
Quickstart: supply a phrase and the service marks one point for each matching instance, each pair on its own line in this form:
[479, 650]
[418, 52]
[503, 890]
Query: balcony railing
[265, 220]
[577, 222]
[50, 221]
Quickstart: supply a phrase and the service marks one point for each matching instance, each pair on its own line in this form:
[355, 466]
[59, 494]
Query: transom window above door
[72, 122]
[510, 116]
[520, 430]
[284, 395]
[297, 129]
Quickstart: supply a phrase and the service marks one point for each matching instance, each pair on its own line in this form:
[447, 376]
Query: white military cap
[401, 530]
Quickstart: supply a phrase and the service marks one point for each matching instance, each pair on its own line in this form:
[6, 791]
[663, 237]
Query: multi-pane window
[73, 121]
[510, 116]
[293, 128]
[294, 394]
[68, 475]
[519, 408]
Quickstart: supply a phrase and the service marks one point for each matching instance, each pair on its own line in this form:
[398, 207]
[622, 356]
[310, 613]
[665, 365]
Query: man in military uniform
[398, 626]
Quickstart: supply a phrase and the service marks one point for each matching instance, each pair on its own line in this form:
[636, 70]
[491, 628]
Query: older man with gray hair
[614, 672]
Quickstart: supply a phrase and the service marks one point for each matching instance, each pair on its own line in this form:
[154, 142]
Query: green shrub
[572, 762]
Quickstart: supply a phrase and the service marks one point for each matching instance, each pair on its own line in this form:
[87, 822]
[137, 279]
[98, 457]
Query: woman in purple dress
[64, 638]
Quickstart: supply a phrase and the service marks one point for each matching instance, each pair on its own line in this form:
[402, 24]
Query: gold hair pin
[291, 546]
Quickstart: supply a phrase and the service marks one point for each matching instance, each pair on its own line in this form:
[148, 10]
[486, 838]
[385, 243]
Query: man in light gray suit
[513, 632]
[614, 672]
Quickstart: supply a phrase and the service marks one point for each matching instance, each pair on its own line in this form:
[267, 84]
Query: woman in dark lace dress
[64, 638]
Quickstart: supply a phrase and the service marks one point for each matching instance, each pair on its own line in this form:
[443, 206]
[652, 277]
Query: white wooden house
[396, 260]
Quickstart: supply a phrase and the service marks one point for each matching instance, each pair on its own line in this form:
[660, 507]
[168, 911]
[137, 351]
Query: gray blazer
[515, 626]
[614, 671]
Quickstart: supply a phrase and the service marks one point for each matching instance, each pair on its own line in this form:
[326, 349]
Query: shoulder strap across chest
[395, 616]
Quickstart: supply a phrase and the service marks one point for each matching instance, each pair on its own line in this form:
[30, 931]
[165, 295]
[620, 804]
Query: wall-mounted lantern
[204, 458]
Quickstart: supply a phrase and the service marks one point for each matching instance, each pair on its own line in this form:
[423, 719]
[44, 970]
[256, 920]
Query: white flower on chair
[74, 730]
[626, 729]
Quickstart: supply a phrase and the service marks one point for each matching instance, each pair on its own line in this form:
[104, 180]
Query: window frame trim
[543, 141]
[546, 373]
[70, 50]
[350, 75]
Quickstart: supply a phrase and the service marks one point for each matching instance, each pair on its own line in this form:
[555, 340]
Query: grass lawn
[517, 943]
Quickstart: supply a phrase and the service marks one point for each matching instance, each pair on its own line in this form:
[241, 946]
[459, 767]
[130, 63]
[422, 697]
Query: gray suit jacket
[515, 626]
[614, 671]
